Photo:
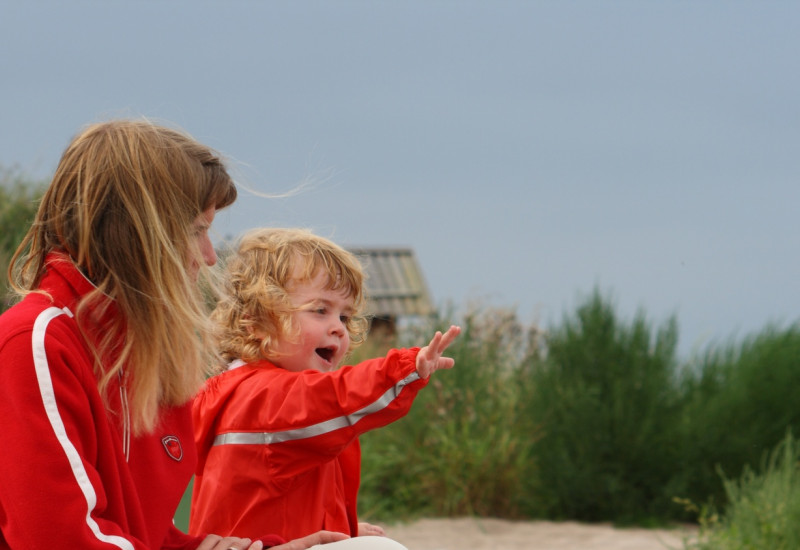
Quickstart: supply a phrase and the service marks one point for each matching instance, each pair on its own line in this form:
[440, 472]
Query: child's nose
[339, 326]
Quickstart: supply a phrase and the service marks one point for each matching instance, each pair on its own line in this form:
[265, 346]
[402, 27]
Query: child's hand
[429, 358]
[368, 530]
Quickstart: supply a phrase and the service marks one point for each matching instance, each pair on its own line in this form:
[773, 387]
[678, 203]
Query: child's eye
[344, 319]
[320, 310]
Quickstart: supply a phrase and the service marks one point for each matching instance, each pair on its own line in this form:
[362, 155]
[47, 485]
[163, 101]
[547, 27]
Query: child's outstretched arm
[429, 358]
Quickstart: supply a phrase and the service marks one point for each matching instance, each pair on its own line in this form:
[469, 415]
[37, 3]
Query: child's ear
[253, 329]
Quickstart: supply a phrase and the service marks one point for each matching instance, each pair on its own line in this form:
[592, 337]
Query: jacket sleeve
[312, 417]
[52, 489]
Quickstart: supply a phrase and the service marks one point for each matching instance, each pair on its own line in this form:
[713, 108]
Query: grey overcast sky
[529, 152]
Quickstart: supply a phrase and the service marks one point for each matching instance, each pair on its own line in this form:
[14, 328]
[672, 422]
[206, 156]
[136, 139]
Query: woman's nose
[209, 254]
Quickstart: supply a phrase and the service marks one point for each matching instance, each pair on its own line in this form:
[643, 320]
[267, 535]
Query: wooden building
[395, 287]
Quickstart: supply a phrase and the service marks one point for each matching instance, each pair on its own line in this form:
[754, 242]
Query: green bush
[763, 509]
[19, 197]
[605, 395]
[738, 403]
[595, 420]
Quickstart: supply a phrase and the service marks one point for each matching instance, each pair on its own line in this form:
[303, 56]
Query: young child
[277, 431]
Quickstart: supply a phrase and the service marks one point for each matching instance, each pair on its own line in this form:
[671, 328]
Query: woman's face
[202, 242]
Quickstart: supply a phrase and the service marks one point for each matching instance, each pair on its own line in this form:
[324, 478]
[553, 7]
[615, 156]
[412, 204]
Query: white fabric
[362, 543]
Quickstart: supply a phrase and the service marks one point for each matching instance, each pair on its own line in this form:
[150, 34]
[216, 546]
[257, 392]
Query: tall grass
[594, 420]
[739, 400]
[466, 445]
[763, 509]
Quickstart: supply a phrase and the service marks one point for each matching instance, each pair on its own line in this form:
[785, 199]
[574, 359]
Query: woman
[100, 360]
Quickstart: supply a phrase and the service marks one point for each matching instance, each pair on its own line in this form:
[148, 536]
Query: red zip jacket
[65, 479]
[279, 450]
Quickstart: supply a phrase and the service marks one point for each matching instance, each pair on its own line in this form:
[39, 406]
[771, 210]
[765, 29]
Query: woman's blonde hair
[122, 205]
[258, 277]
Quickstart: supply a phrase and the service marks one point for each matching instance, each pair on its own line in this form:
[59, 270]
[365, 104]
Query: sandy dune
[496, 534]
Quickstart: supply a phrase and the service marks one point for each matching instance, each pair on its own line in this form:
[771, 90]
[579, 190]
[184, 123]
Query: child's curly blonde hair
[256, 297]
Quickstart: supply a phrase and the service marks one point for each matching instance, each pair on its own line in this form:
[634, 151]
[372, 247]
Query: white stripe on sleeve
[268, 438]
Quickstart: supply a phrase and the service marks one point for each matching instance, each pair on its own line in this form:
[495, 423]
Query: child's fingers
[430, 357]
[448, 337]
[433, 345]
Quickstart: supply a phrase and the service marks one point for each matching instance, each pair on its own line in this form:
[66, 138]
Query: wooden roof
[395, 284]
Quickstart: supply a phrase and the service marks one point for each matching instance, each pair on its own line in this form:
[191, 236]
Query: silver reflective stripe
[45, 381]
[268, 438]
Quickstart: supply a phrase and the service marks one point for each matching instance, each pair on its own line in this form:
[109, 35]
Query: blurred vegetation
[454, 453]
[739, 400]
[763, 509]
[596, 419]
[19, 199]
[605, 397]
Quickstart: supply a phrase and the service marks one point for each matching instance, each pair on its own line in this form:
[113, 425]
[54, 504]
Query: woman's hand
[429, 358]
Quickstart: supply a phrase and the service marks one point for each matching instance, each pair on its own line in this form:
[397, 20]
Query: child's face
[323, 340]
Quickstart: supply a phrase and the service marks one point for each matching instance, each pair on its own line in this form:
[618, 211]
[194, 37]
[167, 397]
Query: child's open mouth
[325, 353]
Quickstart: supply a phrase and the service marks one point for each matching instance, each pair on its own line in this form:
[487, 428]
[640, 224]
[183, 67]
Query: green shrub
[763, 509]
[19, 197]
[738, 403]
[605, 396]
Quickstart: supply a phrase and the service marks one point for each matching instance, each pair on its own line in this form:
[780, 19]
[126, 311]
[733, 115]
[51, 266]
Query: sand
[496, 534]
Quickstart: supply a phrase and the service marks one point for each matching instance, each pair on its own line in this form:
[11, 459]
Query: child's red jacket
[279, 450]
